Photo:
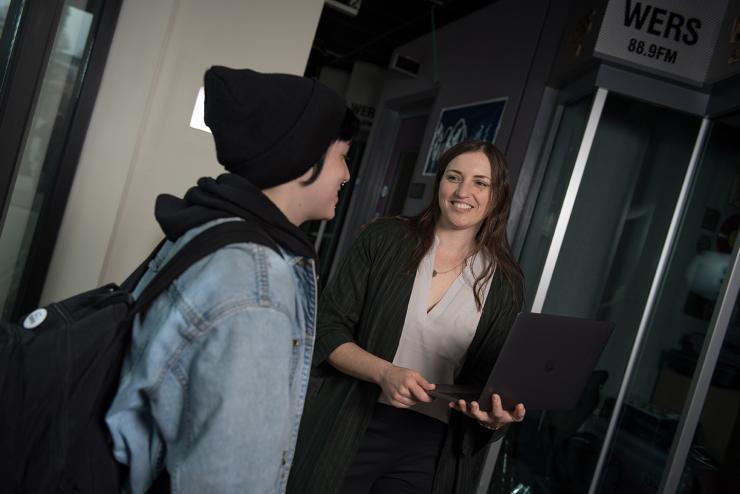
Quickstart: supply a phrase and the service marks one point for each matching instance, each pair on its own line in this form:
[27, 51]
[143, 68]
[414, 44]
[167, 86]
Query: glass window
[4, 7]
[699, 266]
[604, 270]
[669, 354]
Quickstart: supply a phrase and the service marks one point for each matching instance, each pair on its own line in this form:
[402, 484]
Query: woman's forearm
[402, 387]
[356, 362]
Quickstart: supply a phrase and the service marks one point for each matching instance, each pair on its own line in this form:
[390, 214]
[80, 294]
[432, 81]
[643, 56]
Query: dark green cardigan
[366, 303]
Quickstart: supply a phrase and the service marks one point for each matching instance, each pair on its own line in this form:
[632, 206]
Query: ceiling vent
[404, 64]
[349, 7]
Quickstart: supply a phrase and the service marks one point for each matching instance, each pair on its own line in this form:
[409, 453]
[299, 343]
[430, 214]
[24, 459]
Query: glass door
[51, 86]
[705, 452]
[607, 241]
[660, 385]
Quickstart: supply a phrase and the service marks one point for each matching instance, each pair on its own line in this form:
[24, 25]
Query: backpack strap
[202, 245]
[133, 279]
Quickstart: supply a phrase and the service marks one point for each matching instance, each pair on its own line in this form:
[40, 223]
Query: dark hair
[347, 131]
[491, 237]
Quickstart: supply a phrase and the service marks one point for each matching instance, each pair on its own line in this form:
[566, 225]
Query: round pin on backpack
[35, 318]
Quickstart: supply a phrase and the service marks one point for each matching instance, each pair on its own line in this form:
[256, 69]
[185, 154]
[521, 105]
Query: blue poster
[479, 120]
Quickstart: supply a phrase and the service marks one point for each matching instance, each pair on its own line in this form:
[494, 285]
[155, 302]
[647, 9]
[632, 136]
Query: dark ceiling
[379, 28]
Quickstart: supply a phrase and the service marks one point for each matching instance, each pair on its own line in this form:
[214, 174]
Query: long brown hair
[491, 237]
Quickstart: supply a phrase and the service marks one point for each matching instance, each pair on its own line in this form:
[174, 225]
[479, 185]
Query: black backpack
[59, 371]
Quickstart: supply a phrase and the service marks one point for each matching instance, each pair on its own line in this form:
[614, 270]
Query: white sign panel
[672, 37]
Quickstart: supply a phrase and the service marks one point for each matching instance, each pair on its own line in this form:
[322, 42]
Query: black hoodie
[228, 196]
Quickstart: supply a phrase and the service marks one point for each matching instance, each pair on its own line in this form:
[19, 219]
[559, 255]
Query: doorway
[401, 165]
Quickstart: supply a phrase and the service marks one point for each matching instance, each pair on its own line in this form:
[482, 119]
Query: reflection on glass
[8, 24]
[551, 195]
[43, 146]
[604, 271]
[4, 6]
[709, 236]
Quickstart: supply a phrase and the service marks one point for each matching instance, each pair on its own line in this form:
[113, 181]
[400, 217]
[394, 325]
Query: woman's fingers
[460, 405]
[496, 417]
[409, 396]
[415, 387]
[501, 415]
[402, 402]
[406, 383]
[426, 385]
[497, 410]
[519, 412]
[471, 409]
[419, 393]
[476, 412]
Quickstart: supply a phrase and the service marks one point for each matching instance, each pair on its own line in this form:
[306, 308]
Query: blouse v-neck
[426, 271]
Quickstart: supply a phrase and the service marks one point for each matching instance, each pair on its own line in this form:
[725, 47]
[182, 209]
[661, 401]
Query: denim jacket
[214, 382]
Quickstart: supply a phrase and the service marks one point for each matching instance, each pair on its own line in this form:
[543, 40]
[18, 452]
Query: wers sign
[676, 38]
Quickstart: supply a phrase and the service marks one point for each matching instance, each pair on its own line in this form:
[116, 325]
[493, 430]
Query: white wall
[139, 143]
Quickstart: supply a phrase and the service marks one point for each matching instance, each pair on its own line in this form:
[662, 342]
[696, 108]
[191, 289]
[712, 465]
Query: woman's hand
[494, 419]
[404, 387]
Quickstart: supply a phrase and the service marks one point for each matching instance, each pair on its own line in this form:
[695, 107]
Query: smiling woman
[417, 302]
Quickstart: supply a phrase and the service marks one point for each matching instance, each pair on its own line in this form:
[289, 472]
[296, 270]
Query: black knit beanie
[269, 128]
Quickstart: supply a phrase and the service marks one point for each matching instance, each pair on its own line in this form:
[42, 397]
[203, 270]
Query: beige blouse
[434, 343]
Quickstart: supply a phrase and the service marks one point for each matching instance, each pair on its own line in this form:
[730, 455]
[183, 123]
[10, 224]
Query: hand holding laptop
[406, 387]
[493, 419]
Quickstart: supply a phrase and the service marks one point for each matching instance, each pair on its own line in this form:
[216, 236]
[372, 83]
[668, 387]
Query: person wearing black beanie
[212, 391]
[269, 128]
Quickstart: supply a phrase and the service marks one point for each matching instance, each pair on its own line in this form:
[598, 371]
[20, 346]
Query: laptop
[545, 363]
